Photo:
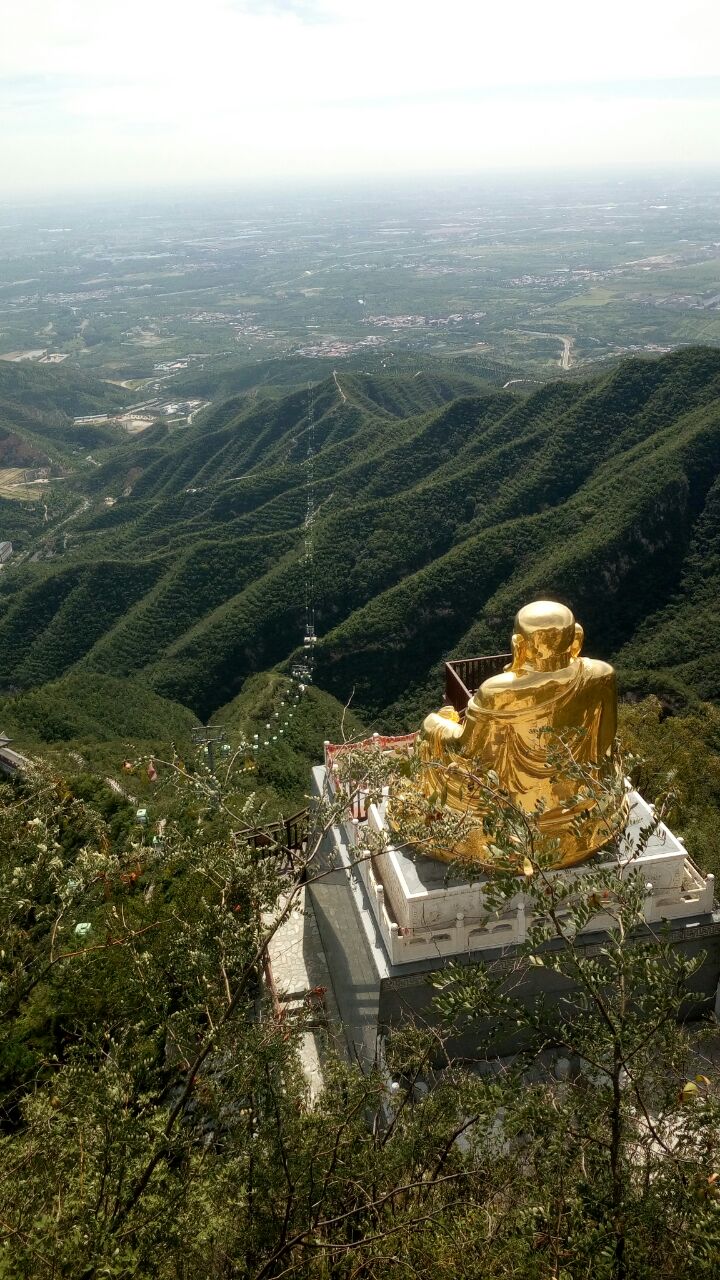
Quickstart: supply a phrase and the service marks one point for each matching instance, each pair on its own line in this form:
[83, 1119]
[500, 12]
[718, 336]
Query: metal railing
[463, 676]
[289, 835]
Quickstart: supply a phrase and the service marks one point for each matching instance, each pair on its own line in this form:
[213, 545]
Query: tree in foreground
[156, 1121]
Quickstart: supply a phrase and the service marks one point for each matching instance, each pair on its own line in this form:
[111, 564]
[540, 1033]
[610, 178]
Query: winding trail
[79, 511]
[566, 357]
[337, 384]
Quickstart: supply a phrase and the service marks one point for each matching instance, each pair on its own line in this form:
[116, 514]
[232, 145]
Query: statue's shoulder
[505, 680]
[495, 690]
[596, 669]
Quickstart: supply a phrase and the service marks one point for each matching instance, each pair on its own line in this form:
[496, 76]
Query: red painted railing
[357, 798]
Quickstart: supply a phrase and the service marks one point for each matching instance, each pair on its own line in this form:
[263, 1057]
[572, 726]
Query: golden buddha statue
[546, 727]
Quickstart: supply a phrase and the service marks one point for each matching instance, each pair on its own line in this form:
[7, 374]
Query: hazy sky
[127, 93]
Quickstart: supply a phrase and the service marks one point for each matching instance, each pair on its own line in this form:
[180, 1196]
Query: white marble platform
[421, 914]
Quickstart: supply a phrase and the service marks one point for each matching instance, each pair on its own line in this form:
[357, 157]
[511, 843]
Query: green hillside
[57, 389]
[281, 778]
[37, 433]
[441, 507]
[92, 708]
[37, 407]
[233, 376]
[87, 726]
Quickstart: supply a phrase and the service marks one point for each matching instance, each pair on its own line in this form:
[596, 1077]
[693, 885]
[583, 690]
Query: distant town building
[5, 551]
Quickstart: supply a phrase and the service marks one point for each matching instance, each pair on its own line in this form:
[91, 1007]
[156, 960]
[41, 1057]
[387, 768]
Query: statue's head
[546, 636]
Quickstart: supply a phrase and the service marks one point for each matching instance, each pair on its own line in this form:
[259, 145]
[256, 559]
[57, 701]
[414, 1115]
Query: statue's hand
[442, 726]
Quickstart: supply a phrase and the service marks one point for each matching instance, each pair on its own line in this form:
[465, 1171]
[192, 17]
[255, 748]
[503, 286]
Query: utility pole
[206, 735]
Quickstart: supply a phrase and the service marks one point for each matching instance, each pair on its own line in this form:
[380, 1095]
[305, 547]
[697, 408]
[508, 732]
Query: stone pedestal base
[388, 923]
[422, 914]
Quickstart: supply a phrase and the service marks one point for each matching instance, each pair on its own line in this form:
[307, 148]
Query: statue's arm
[609, 712]
[440, 728]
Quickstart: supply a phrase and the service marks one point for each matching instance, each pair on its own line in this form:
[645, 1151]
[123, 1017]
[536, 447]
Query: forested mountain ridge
[57, 389]
[37, 406]
[93, 708]
[442, 505]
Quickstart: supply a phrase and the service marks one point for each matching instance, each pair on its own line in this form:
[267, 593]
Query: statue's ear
[577, 643]
[519, 650]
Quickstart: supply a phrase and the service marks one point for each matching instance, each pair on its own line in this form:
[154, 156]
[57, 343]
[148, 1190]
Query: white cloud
[95, 90]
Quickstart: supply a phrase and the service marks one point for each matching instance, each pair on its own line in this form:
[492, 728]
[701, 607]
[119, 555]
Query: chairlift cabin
[300, 672]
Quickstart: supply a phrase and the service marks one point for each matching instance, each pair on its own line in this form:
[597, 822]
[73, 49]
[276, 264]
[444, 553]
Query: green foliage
[679, 754]
[282, 777]
[154, 1119]
[89, 725]
[37, 407]
[437, 516]
[57, 389]
[21, 522]
[76, 607]
[92, 707]
[232, 377]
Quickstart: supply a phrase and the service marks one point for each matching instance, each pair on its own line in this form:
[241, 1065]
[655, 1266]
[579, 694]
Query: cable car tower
[303, 670]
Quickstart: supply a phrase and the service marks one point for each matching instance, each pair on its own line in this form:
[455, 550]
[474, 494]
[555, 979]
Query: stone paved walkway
[300, 970]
